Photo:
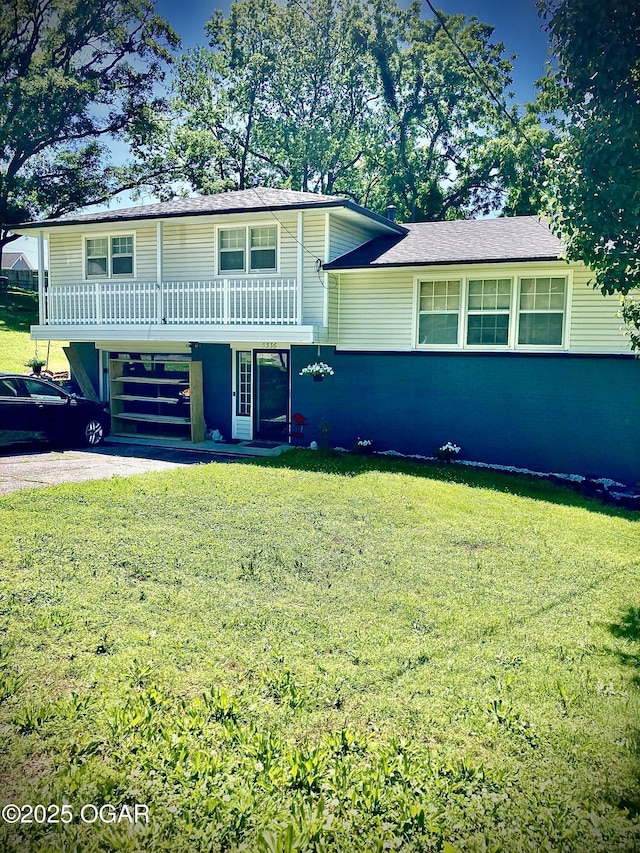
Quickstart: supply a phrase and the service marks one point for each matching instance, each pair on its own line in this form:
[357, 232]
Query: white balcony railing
[220, 301]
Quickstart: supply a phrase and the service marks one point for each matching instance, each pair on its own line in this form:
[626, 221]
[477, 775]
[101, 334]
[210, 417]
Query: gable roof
[9, 259]
[235, 201]
[461, 241]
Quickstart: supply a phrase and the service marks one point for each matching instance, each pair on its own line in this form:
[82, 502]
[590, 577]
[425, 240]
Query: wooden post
[80, 374]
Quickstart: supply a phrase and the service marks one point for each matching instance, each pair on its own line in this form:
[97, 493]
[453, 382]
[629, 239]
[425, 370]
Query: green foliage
[74, 73]
[35, 362]
[630, 313]
[592, 93]
[431, 155]
[368, 101]
[456, 646]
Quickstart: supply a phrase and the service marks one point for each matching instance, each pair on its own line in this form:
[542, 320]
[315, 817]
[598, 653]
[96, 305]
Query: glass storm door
[271, 395]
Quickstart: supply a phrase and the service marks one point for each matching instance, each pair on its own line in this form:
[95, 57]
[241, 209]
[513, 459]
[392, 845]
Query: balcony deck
[222, 301]
[211, 309]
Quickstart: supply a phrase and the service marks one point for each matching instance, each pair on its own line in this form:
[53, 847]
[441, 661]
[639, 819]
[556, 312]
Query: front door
[271, 383]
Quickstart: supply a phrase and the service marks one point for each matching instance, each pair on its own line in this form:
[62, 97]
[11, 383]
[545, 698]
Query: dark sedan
[36, 410]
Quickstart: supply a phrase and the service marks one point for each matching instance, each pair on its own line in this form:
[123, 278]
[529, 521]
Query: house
[202, 313]
[16, 261]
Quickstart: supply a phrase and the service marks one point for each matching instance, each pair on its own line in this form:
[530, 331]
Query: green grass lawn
[16, 347]
[321, 653]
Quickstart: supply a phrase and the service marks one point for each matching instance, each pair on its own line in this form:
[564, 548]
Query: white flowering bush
[317, 369]
[448, 451]
[630, 313]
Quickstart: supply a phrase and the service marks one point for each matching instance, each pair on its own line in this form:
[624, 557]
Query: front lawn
[321, 653]
[16, 346]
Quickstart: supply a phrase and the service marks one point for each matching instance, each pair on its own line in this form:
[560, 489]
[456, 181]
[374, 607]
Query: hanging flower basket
[318, 371]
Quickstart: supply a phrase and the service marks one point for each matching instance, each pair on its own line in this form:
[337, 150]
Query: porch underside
[200, 333]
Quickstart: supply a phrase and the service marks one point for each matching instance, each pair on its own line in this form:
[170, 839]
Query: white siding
[594, 326]
[288, 244]
[313, 282]
[188, 250]
[65, 258]
[376, 308]
[146, 255]
[66, 253]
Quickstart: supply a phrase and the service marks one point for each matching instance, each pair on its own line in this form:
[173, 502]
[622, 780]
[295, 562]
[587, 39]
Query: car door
[48, 414]
[14, 411]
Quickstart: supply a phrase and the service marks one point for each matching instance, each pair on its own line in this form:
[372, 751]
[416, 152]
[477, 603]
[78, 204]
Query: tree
[280, 97]
[73, 75]
[349, 97]
[593, 95]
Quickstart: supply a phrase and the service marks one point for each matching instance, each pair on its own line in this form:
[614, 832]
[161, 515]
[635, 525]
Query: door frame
[242, 426]
[274, 350]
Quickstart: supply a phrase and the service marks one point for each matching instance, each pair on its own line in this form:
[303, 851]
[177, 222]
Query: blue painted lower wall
[216, 381]
[564, 413]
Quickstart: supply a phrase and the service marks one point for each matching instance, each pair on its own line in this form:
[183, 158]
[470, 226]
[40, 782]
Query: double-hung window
[492, 313]
[109, 257]
[263, 248]
[488, 310]
[232, 249]
[541, 315]
[439, 312]
[121, 256]
[251, 249]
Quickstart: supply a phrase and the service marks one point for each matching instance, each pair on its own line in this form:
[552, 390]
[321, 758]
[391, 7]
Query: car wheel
[93, 433]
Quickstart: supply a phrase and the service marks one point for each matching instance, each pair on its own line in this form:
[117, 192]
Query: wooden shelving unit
[156, 396]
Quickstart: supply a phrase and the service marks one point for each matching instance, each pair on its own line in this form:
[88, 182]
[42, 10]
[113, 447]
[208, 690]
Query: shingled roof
[516, 238]
[235, 201]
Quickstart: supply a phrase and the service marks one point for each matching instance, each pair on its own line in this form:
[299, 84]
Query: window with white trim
[231, 249]
[439, 312]
[541, 311]
[252, 249]
[243, 381]
[263, 248]
[488, 311]
[121, 256]
[498, 313]
[109, 256]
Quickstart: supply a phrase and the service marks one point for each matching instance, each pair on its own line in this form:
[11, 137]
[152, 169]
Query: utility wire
[318, 261]
[483, 82]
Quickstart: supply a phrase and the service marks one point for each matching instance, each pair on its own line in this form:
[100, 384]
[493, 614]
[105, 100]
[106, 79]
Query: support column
[159, 253]
[42, 294]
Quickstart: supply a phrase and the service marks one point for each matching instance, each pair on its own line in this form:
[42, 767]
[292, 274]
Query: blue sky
[516, 24]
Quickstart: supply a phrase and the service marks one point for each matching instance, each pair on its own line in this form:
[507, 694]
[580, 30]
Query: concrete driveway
[28, 469]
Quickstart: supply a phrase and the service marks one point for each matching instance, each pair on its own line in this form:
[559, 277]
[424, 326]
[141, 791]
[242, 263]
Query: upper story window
[232, 249]
[263, 248]
[492, 313]
[252, 249]
[109, 256]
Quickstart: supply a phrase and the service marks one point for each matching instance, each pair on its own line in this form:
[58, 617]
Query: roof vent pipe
[391, 212]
